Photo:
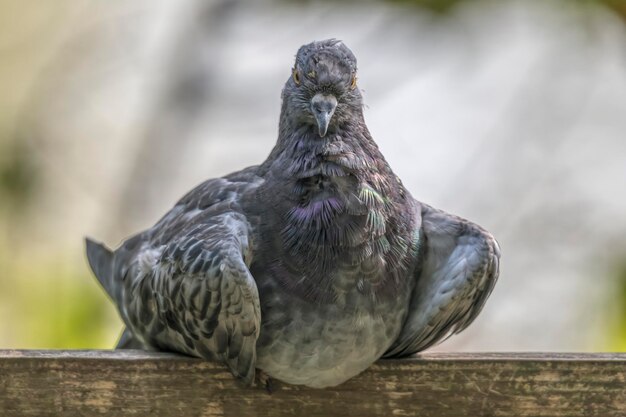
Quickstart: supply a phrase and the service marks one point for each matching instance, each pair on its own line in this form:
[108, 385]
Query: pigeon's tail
[101, 262]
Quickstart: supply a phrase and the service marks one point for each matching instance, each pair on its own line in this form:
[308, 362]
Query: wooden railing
[137, 383]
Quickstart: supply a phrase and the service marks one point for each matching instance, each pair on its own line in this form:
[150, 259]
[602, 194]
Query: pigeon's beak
[323, 107]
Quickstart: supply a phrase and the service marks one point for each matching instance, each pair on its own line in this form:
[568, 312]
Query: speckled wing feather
[184, 285]
[458, 271]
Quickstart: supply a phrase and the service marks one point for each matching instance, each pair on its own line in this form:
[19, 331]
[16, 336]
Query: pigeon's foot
[264, 381]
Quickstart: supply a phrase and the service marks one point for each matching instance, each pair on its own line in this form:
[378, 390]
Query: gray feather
[310, 266]
[129, 341]
[459, 268]
[100, 260]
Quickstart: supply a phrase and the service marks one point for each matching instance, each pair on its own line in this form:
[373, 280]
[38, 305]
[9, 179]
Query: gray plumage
[310, 266]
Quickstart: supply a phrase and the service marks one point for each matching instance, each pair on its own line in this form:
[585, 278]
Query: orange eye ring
[296, 76]
[353, 83]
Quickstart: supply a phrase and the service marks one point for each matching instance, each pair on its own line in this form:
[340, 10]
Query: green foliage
[616, 313]
[437, 6]
[50, 303]
[18, 174]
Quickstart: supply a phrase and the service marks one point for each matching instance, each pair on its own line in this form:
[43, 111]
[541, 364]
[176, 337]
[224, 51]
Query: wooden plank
[112, 383]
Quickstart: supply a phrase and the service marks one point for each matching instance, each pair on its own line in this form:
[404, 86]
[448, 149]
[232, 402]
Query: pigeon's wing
[129, 341]
[189, 288]
[458, 270]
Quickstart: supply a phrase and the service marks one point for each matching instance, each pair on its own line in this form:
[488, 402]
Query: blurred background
[510, 113]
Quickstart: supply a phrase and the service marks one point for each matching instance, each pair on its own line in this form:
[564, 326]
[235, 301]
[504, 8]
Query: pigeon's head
[322, 91]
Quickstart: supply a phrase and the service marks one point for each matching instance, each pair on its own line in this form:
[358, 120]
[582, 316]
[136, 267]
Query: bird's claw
[264, 380]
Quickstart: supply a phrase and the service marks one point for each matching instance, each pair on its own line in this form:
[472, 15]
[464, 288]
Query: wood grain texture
[113, 383]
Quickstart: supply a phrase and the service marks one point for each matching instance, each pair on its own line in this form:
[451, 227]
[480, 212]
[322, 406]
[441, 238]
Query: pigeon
[310, 266]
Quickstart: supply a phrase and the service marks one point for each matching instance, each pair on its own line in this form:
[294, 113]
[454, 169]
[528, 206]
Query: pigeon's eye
[296, 76]
[353, 82]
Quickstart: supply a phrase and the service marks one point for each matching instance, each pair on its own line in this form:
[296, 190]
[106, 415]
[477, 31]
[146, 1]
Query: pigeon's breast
[324, 345]
[331, 267]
